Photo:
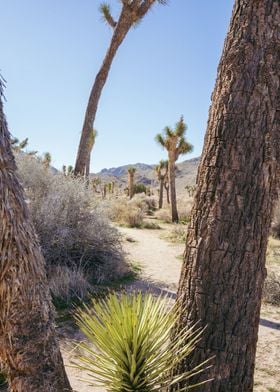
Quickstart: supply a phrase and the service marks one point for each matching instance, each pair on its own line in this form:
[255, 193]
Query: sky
[166, 67]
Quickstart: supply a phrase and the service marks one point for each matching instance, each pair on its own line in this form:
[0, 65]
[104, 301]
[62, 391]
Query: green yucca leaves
[128, 347]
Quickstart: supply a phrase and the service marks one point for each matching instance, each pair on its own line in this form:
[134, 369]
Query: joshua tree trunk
[172, 187]
[119, 34]
[160, 200]
[130, 184]
[166, 186]
[224, 264]
[28, 342]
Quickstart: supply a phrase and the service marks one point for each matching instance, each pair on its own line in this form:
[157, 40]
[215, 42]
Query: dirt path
[160, 263]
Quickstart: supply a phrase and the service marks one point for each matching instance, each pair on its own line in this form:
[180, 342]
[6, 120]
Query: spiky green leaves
[105, 10]
[129, 348]
[131, 170]
[174, 140]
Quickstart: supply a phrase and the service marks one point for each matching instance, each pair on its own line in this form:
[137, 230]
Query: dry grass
[184, 209]
[68, 284]
[125, 213]
[130, 213]
[164, 215]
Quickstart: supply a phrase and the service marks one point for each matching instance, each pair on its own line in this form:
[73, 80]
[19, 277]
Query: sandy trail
[160, 263]
[159, 260]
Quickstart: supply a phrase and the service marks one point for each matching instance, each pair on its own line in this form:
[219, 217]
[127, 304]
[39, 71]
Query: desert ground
[159, 262]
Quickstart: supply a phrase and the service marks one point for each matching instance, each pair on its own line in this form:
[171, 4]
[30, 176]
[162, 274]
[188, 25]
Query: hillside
[145, 174]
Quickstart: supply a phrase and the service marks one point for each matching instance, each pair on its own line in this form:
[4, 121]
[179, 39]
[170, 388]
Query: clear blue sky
[51, 51]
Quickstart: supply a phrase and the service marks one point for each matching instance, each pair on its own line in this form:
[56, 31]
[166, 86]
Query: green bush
[133, 349]
[140, 188]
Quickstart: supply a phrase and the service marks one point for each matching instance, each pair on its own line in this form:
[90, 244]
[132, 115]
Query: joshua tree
[131, 171]
[47, 158]
[29, 348]
[162, 173]
[17, 145]
[104, 194]
[176, 144]
[191, 189]
[69, 170]
[132, 11]
[166, 187]
[238, 179]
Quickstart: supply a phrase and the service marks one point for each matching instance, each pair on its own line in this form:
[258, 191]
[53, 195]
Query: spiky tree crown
[163, 165]
[175, 140]
[131, 170]
[137, 9]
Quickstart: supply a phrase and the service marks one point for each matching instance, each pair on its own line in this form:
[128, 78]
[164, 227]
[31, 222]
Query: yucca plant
[128, 346]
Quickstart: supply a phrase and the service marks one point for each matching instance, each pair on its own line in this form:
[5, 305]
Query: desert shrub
[150, 225]
[125, 213]
[133, 217]
[184, 210]
[178, 233]
[139, 357]
[271, 290]
[71, 229]
[67, 284]
[140, 188]
[146, 203]
[164, 215]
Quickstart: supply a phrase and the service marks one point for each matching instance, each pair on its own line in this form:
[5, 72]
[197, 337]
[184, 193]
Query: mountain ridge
[145, 174]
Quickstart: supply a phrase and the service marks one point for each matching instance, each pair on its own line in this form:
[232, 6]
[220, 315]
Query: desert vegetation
[78, 242]
[161, 287]
[175, 143]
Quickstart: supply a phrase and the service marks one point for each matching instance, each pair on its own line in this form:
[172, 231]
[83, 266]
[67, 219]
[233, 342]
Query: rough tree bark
[131, 173]
[224, 262]
[160, 199]
[132, 12]
[172, 186]
[166, 186]
[28, 342]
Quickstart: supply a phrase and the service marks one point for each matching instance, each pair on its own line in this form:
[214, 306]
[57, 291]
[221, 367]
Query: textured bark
[162, 174]
[28, 342]
[130, 14]
[166, 186]
[224, 262]
[131, 183]
[120, 32]
[172, 185]
[160, 198]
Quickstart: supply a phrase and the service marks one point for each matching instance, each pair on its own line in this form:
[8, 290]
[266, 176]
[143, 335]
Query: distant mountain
[122, 170]
[145, 174]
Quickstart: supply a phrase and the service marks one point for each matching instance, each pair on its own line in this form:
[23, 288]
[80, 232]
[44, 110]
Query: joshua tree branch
[106, 13]
[144, 8]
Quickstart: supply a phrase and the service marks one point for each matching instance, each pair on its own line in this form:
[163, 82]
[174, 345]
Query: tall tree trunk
[130, 185]
[166, 186]
[122, 28]
[172, 187]
[28, 342]
[224, 263]
[160, 200]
